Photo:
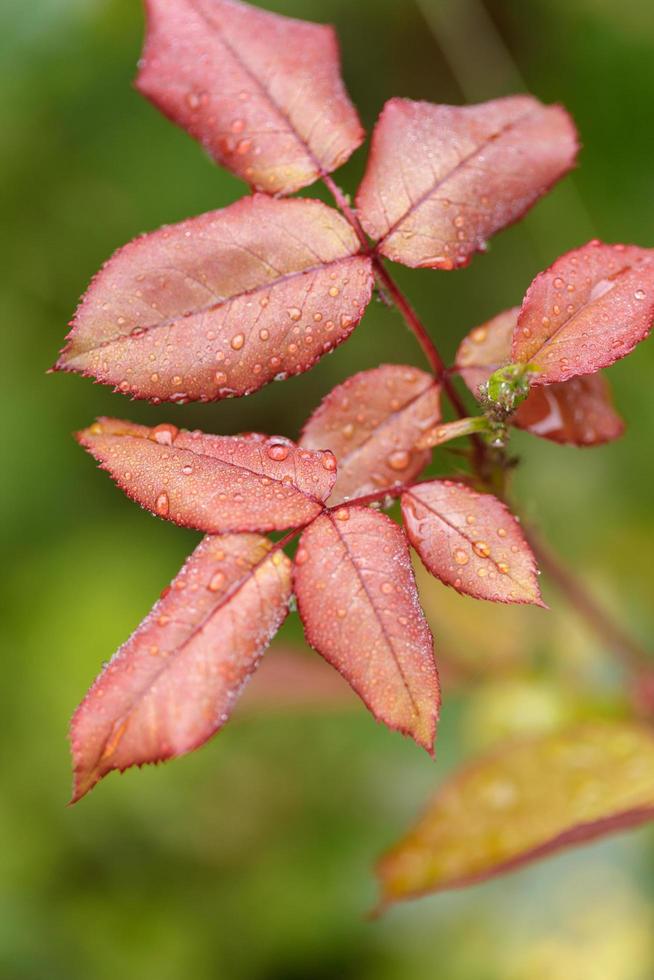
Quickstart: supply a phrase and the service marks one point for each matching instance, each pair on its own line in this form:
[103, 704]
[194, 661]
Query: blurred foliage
[252, 858]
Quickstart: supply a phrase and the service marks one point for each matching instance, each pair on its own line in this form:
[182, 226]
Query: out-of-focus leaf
[172, 685]
[213, 483]
[357, 599]
[441, 179]
[579, 411]
[221, 304]
[470, 541]
[524, 801]
[372, 423]
[589, 309]
[261, 92]
[294, 679]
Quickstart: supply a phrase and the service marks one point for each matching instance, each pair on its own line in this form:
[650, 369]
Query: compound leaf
[221, 304]
[442, 179]
[261, 92]
[213, 483]
[579, 412]
[589, 309]
[470, 541]
[173, 684]
[357, 599]
[372, 423]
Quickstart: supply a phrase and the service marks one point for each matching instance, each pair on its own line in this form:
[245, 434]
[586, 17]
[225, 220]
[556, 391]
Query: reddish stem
[632, 653]
[411, 318]
[601, 623]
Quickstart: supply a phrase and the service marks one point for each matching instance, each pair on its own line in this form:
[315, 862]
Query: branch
[630, 651]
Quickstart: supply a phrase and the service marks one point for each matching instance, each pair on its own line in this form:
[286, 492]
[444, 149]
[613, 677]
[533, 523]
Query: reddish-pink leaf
[590, 308]
[221, 304]
[528, 799]
[579, 411]
[486, 348]
[173, 684]
[213, 483]
[357, 598]
[442, 179]
[470, 541]
[261, 92]
[372, 423]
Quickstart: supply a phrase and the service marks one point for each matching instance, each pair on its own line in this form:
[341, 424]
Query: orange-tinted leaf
[590, 308]
[172, 685]
[442, 179]
[221, 304]
[261, 92]
[213, 483]
[470, 541]
[523, 802]
[372, 423]
[579, 411]
[357, 598]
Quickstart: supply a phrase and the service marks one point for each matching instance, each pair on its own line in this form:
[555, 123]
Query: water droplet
[329, 461]
[386, 588]
[220, 377]
[187, 470]
[264, 334]
[301, 556]
[333, 290]
[399, 460]
[294, 312]
[278, 451]
[503, 567]
[482, 549]
[342, 514]
[461, 557]
[348, 430]
[501, 532]
[162, 504]
[639, 294]
[237, 341]
[217, 582]
[164, 434]
[478, 335]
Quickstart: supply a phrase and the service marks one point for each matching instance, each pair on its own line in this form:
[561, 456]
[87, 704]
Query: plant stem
[600, 622]
[410, 316]
[635, 656]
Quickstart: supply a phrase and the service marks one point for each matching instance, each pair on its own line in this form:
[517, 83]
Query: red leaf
[173, 684]
[442, 179]
[261, 92]
[470, 541]
[213, 483]
[586, 311]
[372, 423]
[579, 412]
[528, 799]
[221, 304]
[357, 599]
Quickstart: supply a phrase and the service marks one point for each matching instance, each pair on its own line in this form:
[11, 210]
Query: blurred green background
[252, 858]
